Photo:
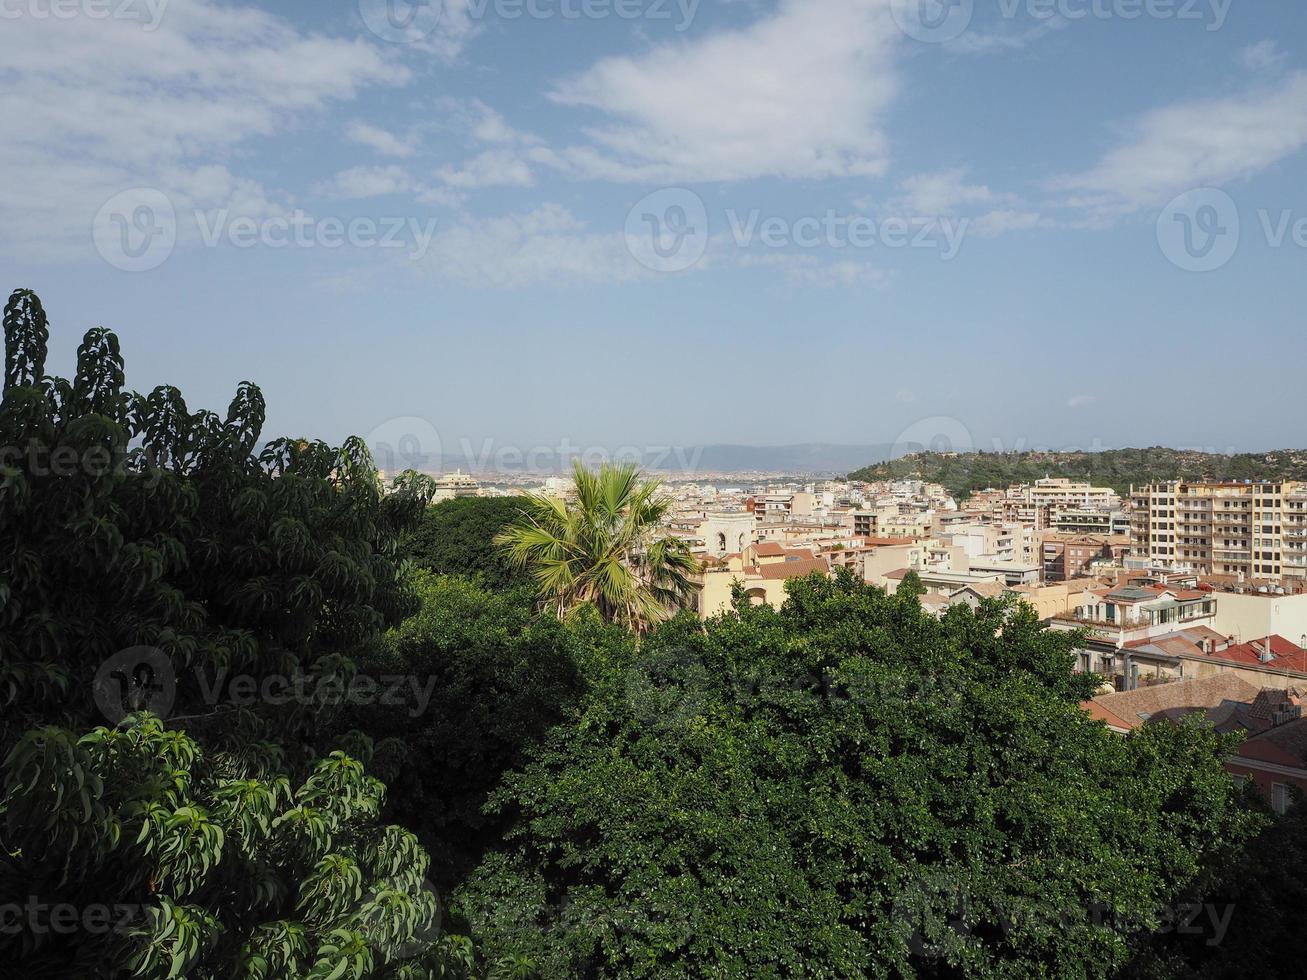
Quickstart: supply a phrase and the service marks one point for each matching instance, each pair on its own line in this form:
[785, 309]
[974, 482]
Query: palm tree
[603, 549]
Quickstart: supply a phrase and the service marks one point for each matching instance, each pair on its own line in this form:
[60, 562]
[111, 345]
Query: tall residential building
[1248, 531]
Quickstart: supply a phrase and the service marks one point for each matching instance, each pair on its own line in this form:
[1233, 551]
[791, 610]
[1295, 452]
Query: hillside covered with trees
[965, 473]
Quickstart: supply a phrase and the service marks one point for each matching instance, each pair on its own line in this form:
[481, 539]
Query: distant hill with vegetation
[965, 473]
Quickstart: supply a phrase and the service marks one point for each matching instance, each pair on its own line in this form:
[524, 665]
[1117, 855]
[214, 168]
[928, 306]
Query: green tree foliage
[456, 537]
[847, 787]
[129, 523]
[604, 549]
[500, 678]
[1245, 916]
[964, 473]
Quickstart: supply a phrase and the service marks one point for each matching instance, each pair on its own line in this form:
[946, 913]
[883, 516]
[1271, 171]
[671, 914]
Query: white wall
[1250, 617]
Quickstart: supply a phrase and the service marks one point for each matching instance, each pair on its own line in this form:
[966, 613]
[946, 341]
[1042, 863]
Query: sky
[489, 226]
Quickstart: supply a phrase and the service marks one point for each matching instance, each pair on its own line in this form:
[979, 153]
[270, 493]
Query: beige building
[457, 484]
[726, 533]
[762, 570]
[1246, 531]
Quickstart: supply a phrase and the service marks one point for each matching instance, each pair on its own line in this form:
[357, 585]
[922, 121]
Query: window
[1279, 797]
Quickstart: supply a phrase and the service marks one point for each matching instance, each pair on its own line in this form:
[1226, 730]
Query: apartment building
[1080, 521]
[1069, 556]
[1246, 531]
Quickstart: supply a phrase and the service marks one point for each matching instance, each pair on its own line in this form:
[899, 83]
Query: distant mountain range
[964, 473]
[806, 459]
[814, 458]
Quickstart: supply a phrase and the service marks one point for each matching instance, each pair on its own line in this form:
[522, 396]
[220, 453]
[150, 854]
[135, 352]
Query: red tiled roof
[768, 549]
[793, 569]
[1288, 656]
[1099, 713]
[1285, 744]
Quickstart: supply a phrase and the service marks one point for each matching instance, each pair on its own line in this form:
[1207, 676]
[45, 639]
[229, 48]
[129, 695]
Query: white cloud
[800, 93]
[491, 127]
[1263, 56]
[979, 42]
[1000, 222]
[385, 143]
[942, 193]
[91, 107]
[493, 168]
[946, 193]
[548, 245]
[1080, 401]
[811, 271]
[364, 182]
[1194, 144]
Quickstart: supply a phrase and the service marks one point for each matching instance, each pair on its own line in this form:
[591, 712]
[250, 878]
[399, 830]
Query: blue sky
[752, 222]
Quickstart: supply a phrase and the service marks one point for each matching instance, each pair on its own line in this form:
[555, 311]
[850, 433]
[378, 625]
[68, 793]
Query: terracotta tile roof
[1180, 697]
[989, 590]
[1285, 744]
[1099, 713]
[1270, 700]
[768, 549]
[793, 569]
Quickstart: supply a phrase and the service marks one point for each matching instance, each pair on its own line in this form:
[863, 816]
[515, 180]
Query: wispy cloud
[1194, 144]
[385, 143]
[800, 93]
[92, 107]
